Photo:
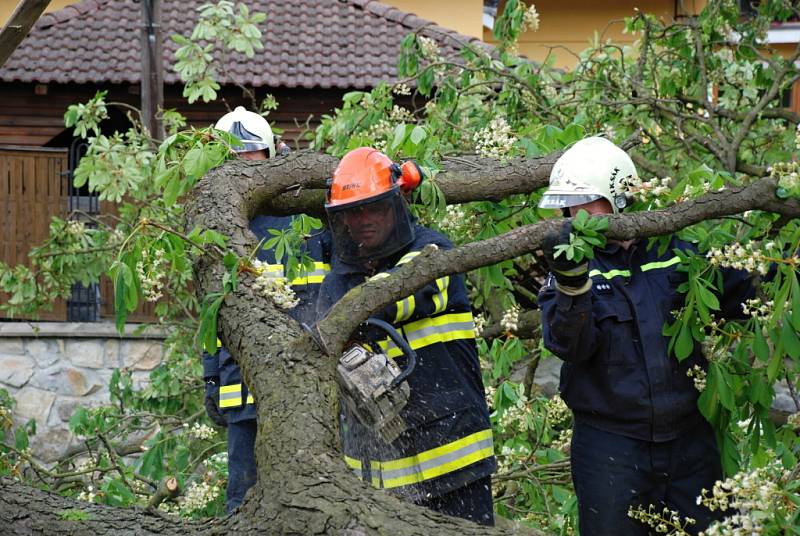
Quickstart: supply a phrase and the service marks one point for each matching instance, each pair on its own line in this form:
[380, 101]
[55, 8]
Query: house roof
[307, 43]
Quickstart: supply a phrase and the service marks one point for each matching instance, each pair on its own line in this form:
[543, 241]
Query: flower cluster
[651, 190]
[740, 257]
[88, 495]
[198, 495]
[480, 323]
[489, 395]
[698, 376]
[515, 417]
[401, 89]
[400, 114]
[457, 223]
[787, 173]
[200, 431]
[756, 309]
[530, 20]
[429, 48]
[665, 522]
[379, 133]
[746, 492]
[563, 441]
[75, 228]
[508, 456]
[274, 287]
[150, 271]
[510, 320]
[793, 420]
[557, 410]
[494, 140]
[797, 137]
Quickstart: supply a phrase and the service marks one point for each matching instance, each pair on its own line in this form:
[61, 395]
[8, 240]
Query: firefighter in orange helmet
[444, 459]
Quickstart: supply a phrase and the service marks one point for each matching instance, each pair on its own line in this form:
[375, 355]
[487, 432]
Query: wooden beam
[152, 68]
[18, 26]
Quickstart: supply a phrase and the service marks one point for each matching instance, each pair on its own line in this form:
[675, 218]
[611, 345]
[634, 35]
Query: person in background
[227, 400]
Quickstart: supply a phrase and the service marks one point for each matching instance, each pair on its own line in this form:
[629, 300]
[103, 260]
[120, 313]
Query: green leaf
[795, 318]
[208, 321]
[760, 347]
[720, 382]
[789, 338]
[417, 135]
[122, 276]
[707, 297]
[684, 344]
[21, 438]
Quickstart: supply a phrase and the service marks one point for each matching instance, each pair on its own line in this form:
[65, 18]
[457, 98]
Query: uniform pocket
[615, 322]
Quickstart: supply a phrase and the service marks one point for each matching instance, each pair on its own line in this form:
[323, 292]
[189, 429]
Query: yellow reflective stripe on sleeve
[250, 399]
[219, 343]
[316, 276]
[610, 274]
[660, 264]
[405, 308]
[435, 462]
[273, 269]
[440, 299]
[427, 331]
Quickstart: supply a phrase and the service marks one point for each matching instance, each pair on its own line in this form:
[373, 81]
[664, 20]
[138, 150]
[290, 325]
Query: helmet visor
[372, 229]
[249, 141]
[556, 200]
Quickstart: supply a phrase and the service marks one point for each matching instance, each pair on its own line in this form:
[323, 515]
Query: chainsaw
[373, 387]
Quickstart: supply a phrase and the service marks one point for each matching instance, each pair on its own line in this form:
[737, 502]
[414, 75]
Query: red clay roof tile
[307, 43]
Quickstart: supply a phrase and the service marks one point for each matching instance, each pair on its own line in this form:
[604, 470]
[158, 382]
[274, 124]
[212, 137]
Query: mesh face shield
[555, 200]
[371, 229]
[250, 141]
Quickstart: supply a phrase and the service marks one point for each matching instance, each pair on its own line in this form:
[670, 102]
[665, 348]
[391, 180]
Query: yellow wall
[464, 16]
[570, 24]
[7, 7]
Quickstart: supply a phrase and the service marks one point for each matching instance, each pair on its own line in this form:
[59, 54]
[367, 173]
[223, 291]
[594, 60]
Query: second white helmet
[251, 128]
[591, 169]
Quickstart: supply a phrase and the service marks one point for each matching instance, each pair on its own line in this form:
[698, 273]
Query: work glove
[211, 403]
[572, 278]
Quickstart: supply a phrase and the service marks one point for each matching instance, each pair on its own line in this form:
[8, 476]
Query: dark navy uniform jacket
[234, 400]
[618, 375]
[449, 440]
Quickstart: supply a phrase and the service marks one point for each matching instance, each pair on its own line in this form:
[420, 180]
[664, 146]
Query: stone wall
[51, 368]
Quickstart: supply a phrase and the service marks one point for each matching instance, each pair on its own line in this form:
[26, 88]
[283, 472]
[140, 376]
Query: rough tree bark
[304, 487]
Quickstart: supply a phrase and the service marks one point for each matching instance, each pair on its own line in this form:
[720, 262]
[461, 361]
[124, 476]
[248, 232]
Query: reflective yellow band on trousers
[430, 463]
[230, 396]
[431, 330]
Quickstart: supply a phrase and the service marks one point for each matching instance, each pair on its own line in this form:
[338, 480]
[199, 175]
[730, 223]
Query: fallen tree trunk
[303, 486]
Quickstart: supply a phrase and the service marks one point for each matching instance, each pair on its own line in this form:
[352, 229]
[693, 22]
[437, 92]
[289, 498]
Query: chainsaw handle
[401, 343]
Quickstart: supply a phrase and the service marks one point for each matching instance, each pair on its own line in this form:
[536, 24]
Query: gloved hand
[211, 403]
[572, 277]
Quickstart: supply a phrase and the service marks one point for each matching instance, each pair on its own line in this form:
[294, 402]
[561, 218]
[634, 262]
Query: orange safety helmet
[366, 209]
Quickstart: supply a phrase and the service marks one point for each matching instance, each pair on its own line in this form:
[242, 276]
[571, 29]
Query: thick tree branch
[371, 296]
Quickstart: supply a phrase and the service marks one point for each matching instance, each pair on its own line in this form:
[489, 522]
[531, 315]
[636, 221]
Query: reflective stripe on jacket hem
[428, 464]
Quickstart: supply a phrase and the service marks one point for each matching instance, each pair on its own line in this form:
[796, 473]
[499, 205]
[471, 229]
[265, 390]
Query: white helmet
[592, 168]
[251, 128]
